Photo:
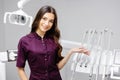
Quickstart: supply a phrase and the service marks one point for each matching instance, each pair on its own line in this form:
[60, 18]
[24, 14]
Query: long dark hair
[54, 31]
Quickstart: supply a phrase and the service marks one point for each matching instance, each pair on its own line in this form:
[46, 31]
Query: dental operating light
[18, 17]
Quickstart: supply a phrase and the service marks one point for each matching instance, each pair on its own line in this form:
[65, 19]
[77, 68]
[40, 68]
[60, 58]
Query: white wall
[2, 39]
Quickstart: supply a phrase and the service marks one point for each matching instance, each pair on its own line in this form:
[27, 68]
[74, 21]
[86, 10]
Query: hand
[80, 50]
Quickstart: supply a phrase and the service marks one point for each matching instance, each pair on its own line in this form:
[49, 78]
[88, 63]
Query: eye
[51, 21]
[44, 18]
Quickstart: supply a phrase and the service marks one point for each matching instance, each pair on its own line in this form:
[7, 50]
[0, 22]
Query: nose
[46, 22]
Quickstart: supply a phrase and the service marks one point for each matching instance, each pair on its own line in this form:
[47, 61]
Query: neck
[41, 34]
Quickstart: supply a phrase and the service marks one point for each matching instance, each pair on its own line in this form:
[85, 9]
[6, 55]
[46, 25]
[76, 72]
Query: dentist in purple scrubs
[41, 48]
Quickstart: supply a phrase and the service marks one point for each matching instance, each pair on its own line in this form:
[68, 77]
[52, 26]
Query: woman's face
[46, 22]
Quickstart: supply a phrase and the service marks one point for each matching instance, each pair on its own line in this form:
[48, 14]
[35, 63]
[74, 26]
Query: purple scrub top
[42, 57]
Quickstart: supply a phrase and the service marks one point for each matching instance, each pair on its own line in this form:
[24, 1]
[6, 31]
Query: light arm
[21, 3]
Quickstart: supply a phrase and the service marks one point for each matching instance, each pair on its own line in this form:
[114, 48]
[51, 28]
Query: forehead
[49, 15]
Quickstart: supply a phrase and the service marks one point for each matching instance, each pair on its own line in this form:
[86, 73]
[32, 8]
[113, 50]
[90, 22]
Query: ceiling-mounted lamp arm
[21, 3]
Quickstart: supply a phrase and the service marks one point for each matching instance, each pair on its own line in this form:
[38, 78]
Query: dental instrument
[85, 59]
[81, 59]
[96, 50]
[78, 56]
[115, 67]
[102, 53]
[107, 53]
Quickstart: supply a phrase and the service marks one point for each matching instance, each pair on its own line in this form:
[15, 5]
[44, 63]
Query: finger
[87, 52]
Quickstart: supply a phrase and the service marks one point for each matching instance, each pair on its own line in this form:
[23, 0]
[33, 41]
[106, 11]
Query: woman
[41, 48]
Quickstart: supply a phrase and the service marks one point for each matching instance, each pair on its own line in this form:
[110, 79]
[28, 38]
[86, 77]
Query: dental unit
[99, 63]
[7, 56]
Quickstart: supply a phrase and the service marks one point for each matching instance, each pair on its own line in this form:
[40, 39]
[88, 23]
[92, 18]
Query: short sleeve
[21, 55]
[59, 59]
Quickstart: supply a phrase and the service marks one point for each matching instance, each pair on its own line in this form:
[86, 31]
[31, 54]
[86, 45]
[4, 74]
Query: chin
[44, 31]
